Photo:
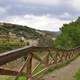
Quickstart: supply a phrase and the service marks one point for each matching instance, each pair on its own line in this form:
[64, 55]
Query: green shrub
[77, 75]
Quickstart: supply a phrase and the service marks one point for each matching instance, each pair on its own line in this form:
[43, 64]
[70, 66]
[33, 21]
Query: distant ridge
[25, 31]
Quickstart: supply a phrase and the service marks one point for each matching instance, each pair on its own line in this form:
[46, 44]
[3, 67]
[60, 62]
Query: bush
[77, 75]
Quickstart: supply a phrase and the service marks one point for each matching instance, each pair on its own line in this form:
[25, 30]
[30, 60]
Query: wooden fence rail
[50, 57]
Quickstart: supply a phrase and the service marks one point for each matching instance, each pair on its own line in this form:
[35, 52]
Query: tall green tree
[70, 36]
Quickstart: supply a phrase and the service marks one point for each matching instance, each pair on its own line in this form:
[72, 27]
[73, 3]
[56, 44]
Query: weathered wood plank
[8, 72]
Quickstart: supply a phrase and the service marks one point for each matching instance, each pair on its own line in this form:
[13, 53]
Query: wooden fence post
[29, 67]
[46, 59]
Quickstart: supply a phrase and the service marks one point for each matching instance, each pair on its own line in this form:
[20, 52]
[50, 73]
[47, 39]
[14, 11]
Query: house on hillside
[12, 35]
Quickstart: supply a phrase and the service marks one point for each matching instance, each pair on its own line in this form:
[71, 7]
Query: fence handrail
[17, 53]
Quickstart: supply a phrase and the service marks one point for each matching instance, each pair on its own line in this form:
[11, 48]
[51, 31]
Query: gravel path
[65, 73]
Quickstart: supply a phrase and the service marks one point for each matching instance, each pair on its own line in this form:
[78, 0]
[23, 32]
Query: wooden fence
[47, 58]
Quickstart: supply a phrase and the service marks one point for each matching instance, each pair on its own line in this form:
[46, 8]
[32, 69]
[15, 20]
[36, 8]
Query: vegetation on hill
[70, 35]
[19, 30]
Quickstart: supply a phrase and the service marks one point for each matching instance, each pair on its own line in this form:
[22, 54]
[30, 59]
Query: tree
[70, 36]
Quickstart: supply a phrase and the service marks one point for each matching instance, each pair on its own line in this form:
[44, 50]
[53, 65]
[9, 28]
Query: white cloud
[65, 15]
[44, 2]
[75, 4]
[2, 10]
[38, 22]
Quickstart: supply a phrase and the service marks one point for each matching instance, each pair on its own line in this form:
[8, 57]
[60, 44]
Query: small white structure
[22, 39]
[12, 35]
[53, 38]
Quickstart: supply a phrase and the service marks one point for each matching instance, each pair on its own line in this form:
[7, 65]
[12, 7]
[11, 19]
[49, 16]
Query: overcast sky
[39, 14]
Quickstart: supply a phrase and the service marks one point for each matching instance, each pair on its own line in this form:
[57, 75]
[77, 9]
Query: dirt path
[65, 73]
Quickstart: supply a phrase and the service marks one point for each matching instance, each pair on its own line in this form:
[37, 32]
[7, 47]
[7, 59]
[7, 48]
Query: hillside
[25, 31]
[19, 30]
[52, 34]
[13, 36]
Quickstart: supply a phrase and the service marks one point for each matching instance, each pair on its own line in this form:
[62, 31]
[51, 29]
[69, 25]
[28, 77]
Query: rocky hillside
[18, 30]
